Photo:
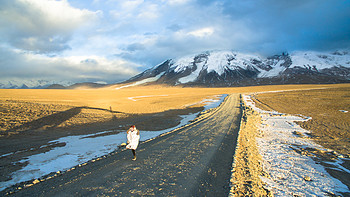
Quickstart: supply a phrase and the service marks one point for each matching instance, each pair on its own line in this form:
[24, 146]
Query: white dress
[133, 139]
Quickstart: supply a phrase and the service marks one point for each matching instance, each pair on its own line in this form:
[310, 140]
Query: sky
[108, 41]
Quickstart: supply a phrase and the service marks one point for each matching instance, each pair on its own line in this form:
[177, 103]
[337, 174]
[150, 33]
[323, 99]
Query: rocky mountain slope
[228, 68]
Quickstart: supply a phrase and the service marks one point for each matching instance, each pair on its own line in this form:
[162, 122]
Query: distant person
[133, 136]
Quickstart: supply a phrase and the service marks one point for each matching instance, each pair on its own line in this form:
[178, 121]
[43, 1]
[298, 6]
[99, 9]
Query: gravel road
[192, 161]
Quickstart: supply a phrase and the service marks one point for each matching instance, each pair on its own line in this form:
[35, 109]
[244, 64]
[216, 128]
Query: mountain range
[228, 68]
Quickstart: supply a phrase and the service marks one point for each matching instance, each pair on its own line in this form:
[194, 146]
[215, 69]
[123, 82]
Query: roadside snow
[288, 169]
[82, 148]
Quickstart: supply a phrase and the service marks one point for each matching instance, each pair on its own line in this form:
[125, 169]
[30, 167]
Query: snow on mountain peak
[228, 68]
[213, 61]
[182, 63]
[320, 60]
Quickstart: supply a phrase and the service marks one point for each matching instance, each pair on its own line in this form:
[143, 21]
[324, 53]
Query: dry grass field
[62, 108]
[329, 125]
[247, 169]
[34, 117]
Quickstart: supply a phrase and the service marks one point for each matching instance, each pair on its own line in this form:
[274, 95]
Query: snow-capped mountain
[31, 83]
[228, 68]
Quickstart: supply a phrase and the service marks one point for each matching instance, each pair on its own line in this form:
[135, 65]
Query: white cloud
[58, 13]
[40, 25]
[134, 12]
[130, 5]
[203, 32]
[177, 2]
[107, 37]
[149, 12]
[20, 64]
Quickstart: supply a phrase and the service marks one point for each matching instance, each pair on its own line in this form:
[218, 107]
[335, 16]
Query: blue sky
[112, 40]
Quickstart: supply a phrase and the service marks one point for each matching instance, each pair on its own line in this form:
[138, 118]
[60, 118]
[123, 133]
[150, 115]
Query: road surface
[195, 160]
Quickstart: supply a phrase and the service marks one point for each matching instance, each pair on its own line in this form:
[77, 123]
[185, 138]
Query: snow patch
[136, 97]
[319, 60]
[214, 61]
[194, 74]
[274, 72]
[147, 80]
[181, 64]
[287, 169]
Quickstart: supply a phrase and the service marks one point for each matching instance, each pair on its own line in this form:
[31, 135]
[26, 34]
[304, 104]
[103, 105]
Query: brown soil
[22, 110]
[17, 116]
[247, 169]
[330, 127]
[194, 160]
[32, 118]
[32, 135]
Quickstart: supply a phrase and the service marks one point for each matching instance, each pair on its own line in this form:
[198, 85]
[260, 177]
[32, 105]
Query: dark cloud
[93, 44]
[135, 47]
[294, 25]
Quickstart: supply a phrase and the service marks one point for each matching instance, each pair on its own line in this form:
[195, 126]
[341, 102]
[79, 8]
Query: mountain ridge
[228, 68]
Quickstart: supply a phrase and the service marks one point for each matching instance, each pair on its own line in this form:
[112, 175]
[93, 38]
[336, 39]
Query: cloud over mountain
[137, 34]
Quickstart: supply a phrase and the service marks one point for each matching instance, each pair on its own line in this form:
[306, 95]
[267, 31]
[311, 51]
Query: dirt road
[192, 161]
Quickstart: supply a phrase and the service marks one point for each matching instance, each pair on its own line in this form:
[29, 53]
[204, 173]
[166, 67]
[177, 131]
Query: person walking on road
[133, 136]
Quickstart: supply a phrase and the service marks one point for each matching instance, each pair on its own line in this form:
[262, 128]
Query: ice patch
[213, 103]
[287, 169]
[82, 148]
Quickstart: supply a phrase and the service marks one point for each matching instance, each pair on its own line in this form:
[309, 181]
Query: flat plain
[329, 109]
[28, 109]
[32, 118]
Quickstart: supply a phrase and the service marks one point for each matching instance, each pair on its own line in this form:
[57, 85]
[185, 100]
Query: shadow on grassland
[52, 121]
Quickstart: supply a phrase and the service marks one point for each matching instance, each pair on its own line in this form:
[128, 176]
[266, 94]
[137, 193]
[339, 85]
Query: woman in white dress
[133, 136]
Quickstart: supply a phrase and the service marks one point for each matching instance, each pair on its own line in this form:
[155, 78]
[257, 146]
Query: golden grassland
[330, 127]
[82, 106]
